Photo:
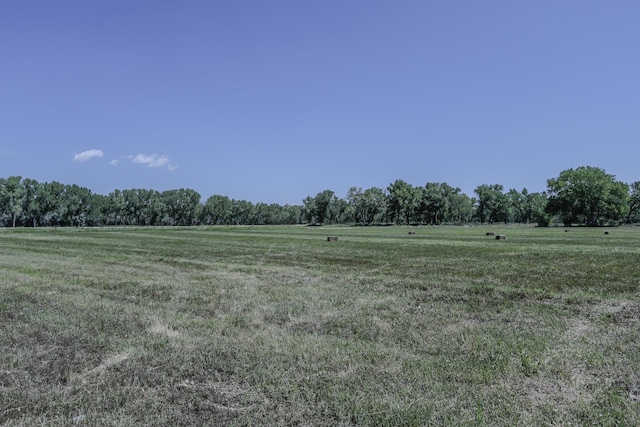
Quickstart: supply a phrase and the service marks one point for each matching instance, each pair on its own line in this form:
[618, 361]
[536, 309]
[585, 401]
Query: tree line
[586, 195]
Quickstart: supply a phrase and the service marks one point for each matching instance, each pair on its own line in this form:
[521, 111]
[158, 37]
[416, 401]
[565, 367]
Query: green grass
[270, 326]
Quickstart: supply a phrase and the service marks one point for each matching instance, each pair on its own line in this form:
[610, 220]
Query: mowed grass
[269, 326]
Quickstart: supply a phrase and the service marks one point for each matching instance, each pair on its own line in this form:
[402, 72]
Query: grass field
[275, 326]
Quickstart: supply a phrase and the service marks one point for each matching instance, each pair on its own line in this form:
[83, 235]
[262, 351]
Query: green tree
[132, 211]
[417, 206]
[78, 205]
[525, 207]
[517, 205]
[292, 214]
[271, 214]
[242, 212]
[12, 193]
[587, 195]
[324, 206]
[181, 207]
[535, 211]
[460, 207]
[308, 209]
[355, 209]
[52, 204]
[365, 207]
[143, 207]
[115, 209]
[31, 201]
[98, 206]
[439, 198]
[634, 202]
[217, 210]
[400, 201]
[492, 204]
[374, 205]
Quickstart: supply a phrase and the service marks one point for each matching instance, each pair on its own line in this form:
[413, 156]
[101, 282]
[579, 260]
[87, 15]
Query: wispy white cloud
[88, 155]
[151, 160]
[114, 162]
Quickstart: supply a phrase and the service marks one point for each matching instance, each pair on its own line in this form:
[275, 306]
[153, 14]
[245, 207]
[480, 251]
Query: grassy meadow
[276, 326]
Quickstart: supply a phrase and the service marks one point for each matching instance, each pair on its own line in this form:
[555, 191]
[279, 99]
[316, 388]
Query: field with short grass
[269, 326]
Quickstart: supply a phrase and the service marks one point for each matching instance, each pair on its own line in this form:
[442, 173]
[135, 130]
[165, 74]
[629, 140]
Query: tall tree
[337, 209]
[355, 209]
[587, 195]
[324, 206]
[308, 209]
[78, 205]
[516, 205]
[242, 212]
[292, 214]
[492, 204]
[460, 207]
[438, 201]
[31, 201]
[99, 205]
[535, 211]
[417, 206]
[634, 202]
[143, 207]
[53, 207]
[217, 210]
[12, 193]
[115, 209]
[181, 207]
[400, 200]
[374, 202]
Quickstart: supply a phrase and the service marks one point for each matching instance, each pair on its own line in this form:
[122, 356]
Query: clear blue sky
[273, 101]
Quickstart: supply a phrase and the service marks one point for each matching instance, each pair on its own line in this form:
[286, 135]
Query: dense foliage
[585, 195]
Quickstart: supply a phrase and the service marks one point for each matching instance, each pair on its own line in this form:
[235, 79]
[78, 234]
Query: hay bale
[501, 237]
[566, 231]
[606, 232]
[490, 233]
[411, 233]
[332, 238]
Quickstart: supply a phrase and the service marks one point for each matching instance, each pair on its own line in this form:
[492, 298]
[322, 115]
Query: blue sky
[273, 101]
